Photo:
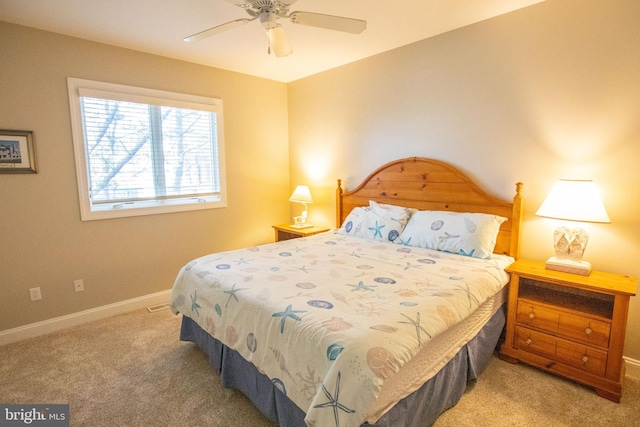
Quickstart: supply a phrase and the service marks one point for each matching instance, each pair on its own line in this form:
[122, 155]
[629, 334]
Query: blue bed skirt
[421, 408]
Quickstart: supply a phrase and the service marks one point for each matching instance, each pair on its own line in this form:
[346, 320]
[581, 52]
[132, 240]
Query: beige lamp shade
[574, 200]
[301, 195]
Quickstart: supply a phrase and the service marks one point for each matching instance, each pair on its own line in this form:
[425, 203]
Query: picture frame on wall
[17, 152]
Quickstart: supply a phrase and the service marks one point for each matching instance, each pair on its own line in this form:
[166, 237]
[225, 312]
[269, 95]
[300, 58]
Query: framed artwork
[17, 152]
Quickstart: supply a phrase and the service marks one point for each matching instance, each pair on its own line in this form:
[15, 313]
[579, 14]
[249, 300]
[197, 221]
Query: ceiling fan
[269, 11]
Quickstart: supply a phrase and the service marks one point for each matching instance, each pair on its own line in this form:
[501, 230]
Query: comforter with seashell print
[329, 318]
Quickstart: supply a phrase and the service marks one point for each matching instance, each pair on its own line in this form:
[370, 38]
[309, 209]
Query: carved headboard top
[428, 184]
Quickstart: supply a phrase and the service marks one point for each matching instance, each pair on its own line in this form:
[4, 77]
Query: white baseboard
[63, 322]
[632, 367]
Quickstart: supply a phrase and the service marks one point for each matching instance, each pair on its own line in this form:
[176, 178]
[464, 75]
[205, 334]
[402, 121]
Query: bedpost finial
[519, 188]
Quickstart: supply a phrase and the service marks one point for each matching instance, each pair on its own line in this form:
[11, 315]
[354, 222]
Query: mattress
[343, 326]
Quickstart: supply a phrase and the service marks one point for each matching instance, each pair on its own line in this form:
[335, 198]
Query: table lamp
[573, 200]
[301, 195]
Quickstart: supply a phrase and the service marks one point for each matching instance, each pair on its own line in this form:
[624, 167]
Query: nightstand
[569, 325]
[286, 232]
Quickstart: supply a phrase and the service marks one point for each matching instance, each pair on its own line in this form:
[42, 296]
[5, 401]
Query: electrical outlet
[78, 285]
[35, 294]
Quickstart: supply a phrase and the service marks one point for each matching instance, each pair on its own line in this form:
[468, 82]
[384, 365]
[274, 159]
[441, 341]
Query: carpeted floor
[132, 370]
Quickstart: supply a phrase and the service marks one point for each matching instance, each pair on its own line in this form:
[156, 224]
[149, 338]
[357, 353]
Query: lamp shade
[574, 200]
[301, 195]
[278, 41]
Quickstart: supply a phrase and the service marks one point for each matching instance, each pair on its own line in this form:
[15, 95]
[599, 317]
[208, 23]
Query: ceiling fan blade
[216, 30]
[329, 22]
[278, 41]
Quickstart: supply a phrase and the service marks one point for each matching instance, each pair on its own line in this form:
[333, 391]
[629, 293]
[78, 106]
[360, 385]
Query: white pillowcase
[469, 234]
[376, 222]
[399, 212]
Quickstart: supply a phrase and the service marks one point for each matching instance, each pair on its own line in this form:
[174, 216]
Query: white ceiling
[158, 26]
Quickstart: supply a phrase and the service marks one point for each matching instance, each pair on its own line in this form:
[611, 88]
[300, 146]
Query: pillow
[396, 211]
[469, 234]
[376, 222]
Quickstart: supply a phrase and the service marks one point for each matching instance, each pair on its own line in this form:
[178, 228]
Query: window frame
[89, 211]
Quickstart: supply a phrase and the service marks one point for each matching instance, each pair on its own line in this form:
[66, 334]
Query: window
[142, 151]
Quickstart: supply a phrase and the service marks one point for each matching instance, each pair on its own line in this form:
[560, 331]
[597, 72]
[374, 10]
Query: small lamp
[573, 200]
[301, 195]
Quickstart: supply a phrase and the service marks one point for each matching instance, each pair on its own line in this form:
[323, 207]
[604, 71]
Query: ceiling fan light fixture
[268, 19]
[278, 41]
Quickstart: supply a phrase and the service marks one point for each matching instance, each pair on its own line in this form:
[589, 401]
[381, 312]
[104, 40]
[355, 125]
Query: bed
[381, 321]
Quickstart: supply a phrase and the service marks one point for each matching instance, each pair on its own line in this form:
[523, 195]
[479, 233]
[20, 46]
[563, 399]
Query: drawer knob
[588, 331]
[585, 358]
[529, 341]
[532, 315]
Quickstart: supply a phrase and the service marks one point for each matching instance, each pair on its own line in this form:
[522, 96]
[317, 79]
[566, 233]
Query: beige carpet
[132, 370]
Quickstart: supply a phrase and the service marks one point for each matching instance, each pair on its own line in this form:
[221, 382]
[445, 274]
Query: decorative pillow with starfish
[376, 222]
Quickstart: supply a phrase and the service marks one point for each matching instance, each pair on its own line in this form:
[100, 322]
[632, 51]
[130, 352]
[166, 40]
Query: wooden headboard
[428, 184]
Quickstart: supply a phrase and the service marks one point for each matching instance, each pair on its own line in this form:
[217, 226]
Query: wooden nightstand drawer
[535, 342]
[573, 354]
[582, 357]
[567, 325]
[535, 315]
[584, 329]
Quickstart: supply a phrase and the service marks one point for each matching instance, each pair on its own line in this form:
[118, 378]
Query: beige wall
[42, 240]
[550, 91]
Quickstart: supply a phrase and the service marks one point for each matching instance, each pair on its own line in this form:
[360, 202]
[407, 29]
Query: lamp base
[582, 268]
[303, 225]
